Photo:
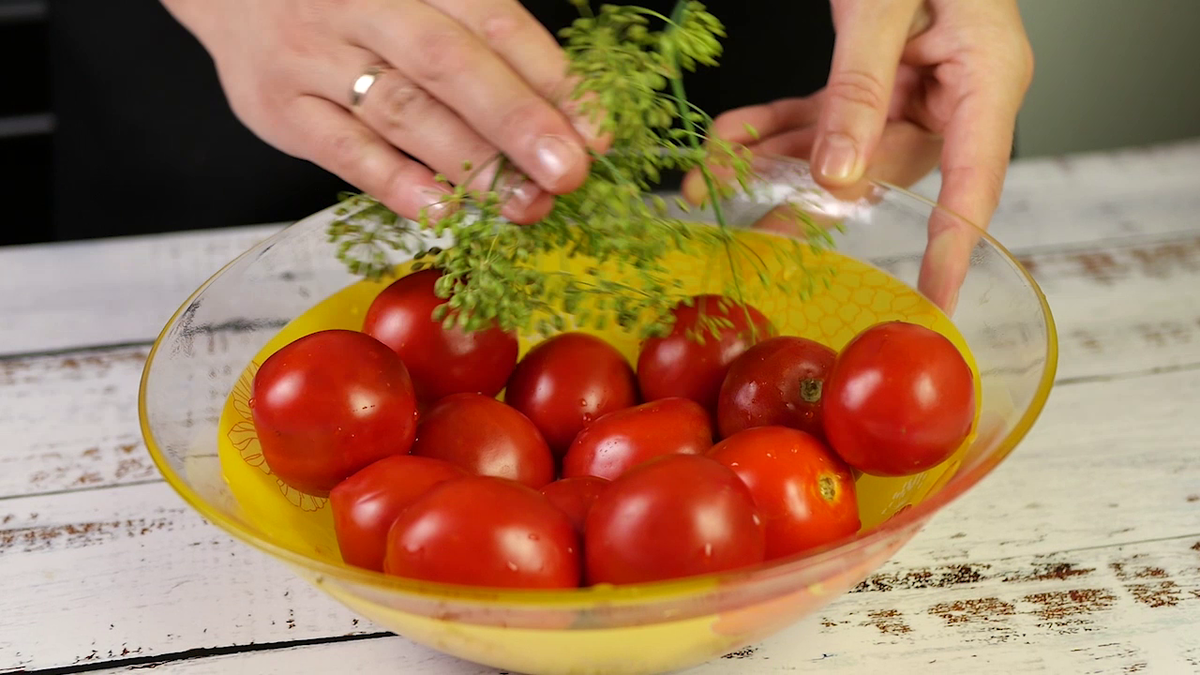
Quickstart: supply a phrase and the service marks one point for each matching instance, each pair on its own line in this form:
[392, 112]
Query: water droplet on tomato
[708, 550]
[533, 537]
[512, 566]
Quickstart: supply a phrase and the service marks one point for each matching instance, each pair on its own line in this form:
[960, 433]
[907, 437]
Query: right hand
[465, 80]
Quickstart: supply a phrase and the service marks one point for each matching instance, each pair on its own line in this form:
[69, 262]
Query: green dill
[628, 63]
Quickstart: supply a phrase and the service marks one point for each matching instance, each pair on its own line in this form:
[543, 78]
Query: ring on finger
[362, 85]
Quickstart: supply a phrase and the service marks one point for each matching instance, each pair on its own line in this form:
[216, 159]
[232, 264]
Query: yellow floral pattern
[243, 437]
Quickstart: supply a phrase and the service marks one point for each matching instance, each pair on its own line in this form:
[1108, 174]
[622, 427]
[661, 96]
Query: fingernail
[837, 158]
[586, 128]
[435, 204]
[525, 195]
[557, 156]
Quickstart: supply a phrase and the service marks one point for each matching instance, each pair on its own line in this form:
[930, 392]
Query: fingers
[345, 146]
[974, 163]
[905, 154]
[407, 117]
[870, 41]
[995, 66]
[453, 65]
[524, 43]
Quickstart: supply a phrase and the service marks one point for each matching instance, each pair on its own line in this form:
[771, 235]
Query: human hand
[912, 83]
[463, 81]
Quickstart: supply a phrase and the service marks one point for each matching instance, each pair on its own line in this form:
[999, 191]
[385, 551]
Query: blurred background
[1110, 73]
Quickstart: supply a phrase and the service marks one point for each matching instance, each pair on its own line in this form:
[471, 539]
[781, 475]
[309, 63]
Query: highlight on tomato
[568, 381]
[803, 490]
[899, 400]
[691, 362]
[366, 504]
[621, 440]
[779, 381]
[441, 359]
[672, 517]
[329, 404]
[486, 438]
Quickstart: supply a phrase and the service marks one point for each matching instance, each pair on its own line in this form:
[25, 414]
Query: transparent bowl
[204, 351]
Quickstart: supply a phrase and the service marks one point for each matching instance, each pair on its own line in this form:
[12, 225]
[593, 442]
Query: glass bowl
[189, 399]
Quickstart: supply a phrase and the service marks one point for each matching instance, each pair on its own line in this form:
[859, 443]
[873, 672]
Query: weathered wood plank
[70, 421]
[169, 583]
[1120, 609]
[109, 291]
[150, 576]
[123, 290]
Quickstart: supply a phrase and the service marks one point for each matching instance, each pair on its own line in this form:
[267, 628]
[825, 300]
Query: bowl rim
[638, 594]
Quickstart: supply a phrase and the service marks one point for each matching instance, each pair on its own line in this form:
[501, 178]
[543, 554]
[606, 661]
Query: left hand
[913, 82]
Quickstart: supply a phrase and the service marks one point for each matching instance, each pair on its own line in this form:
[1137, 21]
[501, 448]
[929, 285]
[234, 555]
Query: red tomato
[777, 382]
[681, 365]
[672, 517]
[485, 531]
[899, 400]
[329, 404]
[575, 496]
[366, 504]
[485, 437]
[441, 362]
[566, 382]
[804, 492]
[621, 440]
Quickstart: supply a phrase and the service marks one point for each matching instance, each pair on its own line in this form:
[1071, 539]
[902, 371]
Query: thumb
[870, 40]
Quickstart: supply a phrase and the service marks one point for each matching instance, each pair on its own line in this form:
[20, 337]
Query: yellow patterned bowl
[195, 418]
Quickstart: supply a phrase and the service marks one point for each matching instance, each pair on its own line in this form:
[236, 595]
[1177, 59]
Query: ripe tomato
[672, 517]
[899, 400]
[485, 531]
[366, 504]
[329, 404]
[485, 437]
[566, 382]
[621, 440]
[575, 496]
[804, 492]
[776, 382]
[441, 362]
[680, 365]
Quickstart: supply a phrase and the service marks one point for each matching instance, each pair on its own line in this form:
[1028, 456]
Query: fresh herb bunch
[629, 83]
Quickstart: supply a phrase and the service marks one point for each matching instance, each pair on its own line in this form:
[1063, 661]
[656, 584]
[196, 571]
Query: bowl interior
[292, 284]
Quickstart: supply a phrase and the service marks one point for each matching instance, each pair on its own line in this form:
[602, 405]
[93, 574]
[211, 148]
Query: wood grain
[1053, 614]
[111, 291]
[70, 421]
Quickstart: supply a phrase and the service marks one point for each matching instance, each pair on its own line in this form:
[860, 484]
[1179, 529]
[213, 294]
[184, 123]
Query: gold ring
[363, 84]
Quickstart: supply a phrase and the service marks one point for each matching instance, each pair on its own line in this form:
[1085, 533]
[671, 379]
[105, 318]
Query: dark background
[112, 120]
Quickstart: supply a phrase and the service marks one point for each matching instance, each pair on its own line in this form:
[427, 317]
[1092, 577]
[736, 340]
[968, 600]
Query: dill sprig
[628, 65]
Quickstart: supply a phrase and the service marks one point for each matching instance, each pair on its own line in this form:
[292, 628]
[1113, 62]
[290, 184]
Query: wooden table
[1081, 554]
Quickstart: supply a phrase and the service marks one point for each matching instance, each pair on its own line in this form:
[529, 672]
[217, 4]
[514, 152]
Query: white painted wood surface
[1081, 554]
